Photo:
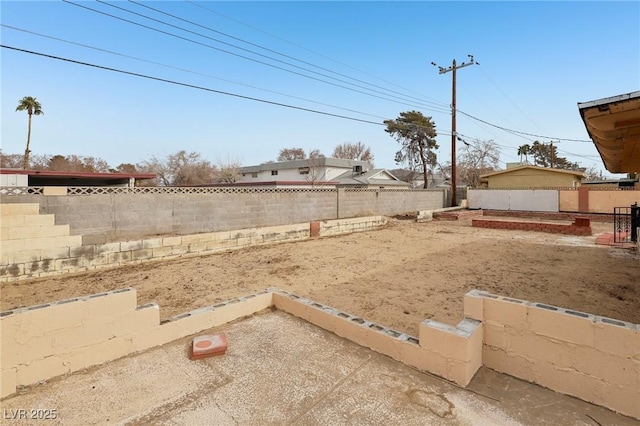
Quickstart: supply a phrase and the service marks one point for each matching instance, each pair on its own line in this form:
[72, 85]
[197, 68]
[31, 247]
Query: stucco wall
[532, 178]
[568, 201]
[142, 212]
[605, 201]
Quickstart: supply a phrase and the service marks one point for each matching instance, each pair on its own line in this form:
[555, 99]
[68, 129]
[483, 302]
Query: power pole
[442, 70]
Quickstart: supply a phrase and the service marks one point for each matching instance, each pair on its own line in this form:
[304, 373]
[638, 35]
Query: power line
[310, 50]
[522, 133]
[275, 51]
[242, 56]
[177, 83]
[186, 70]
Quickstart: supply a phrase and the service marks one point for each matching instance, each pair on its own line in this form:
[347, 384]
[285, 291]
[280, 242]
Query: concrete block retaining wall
[31, 263]
[104, 215]
[593, 358]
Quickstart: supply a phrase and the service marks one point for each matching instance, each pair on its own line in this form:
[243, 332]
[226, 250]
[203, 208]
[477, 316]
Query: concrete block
[97, 354]
[292, 304]
[538, 348]
[131, 245]
[445, 340]
[169, 251]
[42, 369]
[473, 305]
[8, 382]
[99, 307]
[94, 239]
[152, 243]
[384, 341]
[108, 248]
[12, 209]
[510, 312]
[352, 328]
[602, 366]
[54, 190]
[616, 337]
[171, 241]
[512, 364]
[423, 359]
[30, 231]
[554, 322]
[620, 399]
[323, 317]
[141, 254]
[120, 257]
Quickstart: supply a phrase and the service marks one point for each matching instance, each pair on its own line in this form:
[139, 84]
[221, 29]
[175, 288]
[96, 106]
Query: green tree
[33, 107]
[546, 155]
[524, 150]
[416, 135]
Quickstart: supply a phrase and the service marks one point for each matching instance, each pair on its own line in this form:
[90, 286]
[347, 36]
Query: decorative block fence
[34, 252]
[580, 226]
[593, 358]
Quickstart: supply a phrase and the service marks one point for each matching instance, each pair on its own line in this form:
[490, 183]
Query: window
[254, 175]
[274, 173]
[303, 170]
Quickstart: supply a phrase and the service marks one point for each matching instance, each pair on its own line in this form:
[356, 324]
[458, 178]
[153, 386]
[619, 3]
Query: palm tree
[524, 150]
[32, 106]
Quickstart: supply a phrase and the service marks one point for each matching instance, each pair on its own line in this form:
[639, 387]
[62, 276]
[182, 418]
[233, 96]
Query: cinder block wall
[26, 234]
[41, 342]
[109, 217]
[453, 353]
[32, 263]
[593, 358]
[389, 202]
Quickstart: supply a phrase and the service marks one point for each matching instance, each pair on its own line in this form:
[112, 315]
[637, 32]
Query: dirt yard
[396, 276]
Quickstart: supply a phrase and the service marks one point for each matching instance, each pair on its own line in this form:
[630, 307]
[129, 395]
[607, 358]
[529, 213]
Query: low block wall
[449, 352]
[25, 264]
[593, 358]
[41, 342]
[577, 228]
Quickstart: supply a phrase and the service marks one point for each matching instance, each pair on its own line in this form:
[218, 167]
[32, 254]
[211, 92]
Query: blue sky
[538, 60]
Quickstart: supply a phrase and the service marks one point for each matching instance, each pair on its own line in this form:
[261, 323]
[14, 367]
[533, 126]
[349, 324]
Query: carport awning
[614, 126]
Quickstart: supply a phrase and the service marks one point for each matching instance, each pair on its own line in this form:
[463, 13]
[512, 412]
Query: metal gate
[626, 221]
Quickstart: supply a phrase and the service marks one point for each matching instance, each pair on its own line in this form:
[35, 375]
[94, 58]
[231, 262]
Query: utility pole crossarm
[441, 70]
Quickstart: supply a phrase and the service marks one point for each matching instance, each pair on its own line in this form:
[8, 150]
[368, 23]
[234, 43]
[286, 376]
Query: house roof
[316, 162]
[614, 126]
[77, 175]
[500, 172]
[60, 178]
[370, 177]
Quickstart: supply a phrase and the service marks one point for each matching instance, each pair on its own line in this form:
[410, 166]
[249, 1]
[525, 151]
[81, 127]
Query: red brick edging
[581, 226]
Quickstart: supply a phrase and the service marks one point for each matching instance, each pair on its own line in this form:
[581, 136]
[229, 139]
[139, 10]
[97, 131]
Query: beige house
[528, 176]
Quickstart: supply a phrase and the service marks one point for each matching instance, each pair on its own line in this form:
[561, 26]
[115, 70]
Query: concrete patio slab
[279, 369]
